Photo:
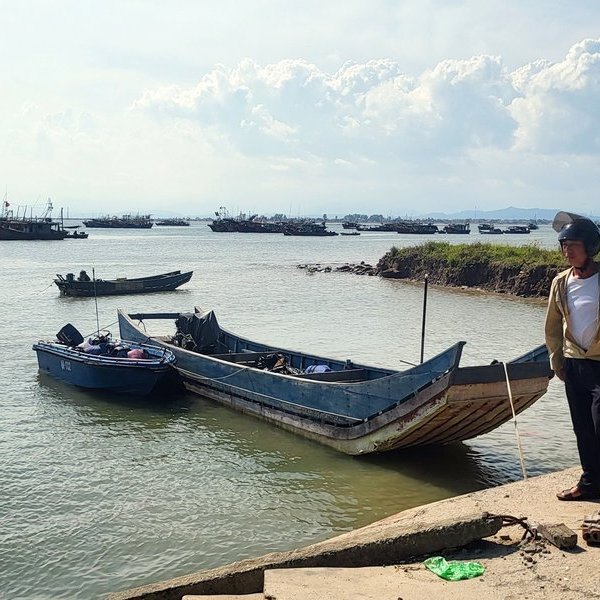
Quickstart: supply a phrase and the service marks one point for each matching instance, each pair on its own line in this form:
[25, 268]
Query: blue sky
[301, 107]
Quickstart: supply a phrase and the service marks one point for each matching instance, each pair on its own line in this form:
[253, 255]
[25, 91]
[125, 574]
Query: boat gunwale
[388, 373]
[167, 360]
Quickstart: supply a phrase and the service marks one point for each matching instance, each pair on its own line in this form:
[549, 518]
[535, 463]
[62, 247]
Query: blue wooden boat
[102, 363]
[69, 285]
[354, 408]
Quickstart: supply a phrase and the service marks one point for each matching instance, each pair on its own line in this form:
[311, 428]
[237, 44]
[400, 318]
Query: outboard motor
[69, 335]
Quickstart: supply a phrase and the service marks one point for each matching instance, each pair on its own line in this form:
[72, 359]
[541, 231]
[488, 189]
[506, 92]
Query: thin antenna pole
[512, 406]
[96, 302]
[424, 318]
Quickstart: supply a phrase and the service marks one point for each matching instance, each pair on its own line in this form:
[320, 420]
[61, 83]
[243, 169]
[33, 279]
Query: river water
[99, 494]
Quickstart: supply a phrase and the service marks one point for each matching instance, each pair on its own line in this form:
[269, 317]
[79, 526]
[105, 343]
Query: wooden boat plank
[452, 425]
[465, 405]
[492, 419]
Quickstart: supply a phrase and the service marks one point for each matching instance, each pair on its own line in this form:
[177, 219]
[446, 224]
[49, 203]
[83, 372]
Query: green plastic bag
[454, 570]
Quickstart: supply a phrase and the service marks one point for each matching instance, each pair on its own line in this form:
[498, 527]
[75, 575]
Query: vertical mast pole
[424, 318]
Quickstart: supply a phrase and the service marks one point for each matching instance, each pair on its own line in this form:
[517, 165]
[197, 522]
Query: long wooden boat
[354, 408]
[103, 363]
[71, 286]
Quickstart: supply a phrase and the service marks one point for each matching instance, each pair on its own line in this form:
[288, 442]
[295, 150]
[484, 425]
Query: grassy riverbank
[519, 270]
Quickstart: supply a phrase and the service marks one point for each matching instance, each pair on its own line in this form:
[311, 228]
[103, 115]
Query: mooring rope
[512, 406]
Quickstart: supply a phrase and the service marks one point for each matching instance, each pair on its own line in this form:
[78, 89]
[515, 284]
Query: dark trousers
[582, 384]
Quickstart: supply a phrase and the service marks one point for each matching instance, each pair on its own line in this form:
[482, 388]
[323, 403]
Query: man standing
[573, 341]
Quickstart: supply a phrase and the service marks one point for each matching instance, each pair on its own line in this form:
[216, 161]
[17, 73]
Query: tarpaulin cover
[203, 328]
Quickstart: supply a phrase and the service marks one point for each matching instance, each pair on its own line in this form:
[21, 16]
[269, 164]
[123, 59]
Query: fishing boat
[394, 226]
[519, 229]
[103, 363]
[489, 229]
[354, 408]
[69, 285]
[352, 233]
[22, 227]
[308, 228]
[457, 229]
[124, 222]
[174, 222]
[412, 227]
[224, 222]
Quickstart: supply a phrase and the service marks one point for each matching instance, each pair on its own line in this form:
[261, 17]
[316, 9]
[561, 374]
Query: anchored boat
[22, 227]
[103, 363]
[354, 408]
[69, 285]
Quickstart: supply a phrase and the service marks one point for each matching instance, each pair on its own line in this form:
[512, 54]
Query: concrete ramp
[407, 582]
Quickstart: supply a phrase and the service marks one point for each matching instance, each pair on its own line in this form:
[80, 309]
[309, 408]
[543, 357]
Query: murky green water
[99, 494]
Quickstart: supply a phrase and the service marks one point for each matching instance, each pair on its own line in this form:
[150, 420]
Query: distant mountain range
[512, 212]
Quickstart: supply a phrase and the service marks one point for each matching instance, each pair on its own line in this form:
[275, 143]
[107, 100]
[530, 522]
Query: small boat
[103, 363]
[77, 235]
[489, 229]
[83, 285]
[350, 224]
[354, 408]
[350, 233]
[519, 229]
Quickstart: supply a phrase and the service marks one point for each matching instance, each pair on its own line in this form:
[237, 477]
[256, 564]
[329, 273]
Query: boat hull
[117, 375]
[437, 402]
[11, 233]
[115, 287]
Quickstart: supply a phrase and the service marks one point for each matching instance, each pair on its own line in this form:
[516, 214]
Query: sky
[300, 107]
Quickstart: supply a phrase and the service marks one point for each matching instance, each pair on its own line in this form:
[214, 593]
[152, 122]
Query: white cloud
[293, 109]
[559, 110]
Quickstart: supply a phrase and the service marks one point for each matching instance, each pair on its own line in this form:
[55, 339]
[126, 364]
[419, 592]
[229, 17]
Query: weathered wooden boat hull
[117, 375]
[436, 402]
[166, 282]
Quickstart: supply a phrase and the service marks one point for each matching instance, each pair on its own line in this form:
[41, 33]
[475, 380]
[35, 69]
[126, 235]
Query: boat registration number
[65, 365]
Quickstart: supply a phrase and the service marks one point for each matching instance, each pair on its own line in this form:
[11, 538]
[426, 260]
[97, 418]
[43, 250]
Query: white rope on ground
[512, 406]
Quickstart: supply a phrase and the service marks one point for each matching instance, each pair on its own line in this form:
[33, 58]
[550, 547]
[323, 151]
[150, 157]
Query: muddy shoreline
[523, 281]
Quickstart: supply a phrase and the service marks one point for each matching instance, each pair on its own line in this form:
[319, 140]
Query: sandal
[574, 494]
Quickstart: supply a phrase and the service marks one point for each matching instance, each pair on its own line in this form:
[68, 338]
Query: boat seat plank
[241, 357]
[337, 376]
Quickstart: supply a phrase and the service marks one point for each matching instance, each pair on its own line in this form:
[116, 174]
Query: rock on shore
[362, 268]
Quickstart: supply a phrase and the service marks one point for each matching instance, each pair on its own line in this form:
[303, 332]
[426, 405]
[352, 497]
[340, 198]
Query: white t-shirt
[583, 299]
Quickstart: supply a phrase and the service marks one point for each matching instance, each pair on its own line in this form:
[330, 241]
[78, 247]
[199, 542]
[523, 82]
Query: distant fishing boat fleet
[27, 227]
